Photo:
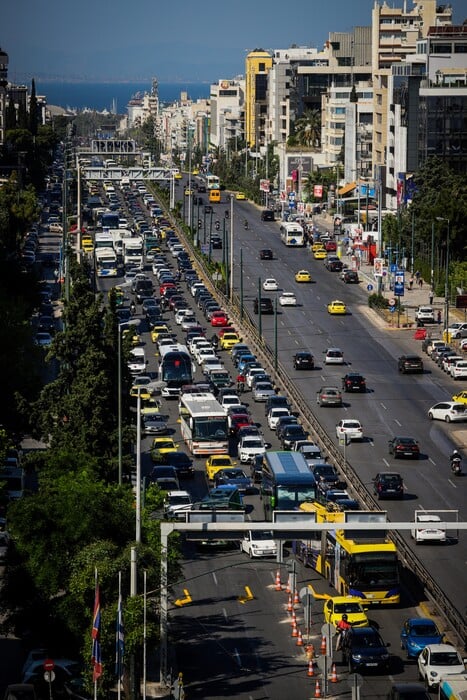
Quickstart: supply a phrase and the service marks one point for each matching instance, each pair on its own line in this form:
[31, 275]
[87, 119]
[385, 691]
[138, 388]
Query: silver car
[262, 391]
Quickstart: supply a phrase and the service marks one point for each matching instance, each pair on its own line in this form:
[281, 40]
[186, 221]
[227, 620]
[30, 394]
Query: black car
[216, 242]
[410, 364]
[291, 434]
[407, 691]
[364, 650]
[350, 277]
[353, 381]
[265, 304]
[303, 360]
[266, 254]
[388, 485]
[267, 215]
[327, 477]
[181, 462]
[276, 402]
[47, 323]
[404, 447]
[333, 263]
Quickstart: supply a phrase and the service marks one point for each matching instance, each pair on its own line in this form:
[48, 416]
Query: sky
[191, 40]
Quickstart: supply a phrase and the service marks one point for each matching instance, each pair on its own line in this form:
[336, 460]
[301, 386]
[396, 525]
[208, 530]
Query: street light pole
[446, 276]
[432, 275]
[231, 251]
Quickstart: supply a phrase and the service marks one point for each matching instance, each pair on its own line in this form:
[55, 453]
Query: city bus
[175, 369]
[109, 219]
[356, 562]
[292, 234]
[106, 262]
[203, 424]
[214, 195]
[453, 687]
[212, 182]
[286, 482]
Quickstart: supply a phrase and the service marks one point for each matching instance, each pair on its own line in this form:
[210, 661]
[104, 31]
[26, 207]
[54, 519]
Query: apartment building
[227, 105]
[258, 63]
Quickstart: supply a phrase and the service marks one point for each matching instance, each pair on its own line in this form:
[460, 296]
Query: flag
[96, 630]
[119, 641]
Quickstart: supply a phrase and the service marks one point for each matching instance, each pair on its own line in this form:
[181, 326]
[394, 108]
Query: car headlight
[357, 657]
[434, 674]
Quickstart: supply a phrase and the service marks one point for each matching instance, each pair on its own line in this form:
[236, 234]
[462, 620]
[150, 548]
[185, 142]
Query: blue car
[417, 633]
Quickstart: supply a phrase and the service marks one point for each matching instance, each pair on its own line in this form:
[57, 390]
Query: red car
[330, 246]
[164, 287]
[237, 421]
[219, 318]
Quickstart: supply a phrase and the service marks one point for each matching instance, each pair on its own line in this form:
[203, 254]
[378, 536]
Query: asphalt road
[226, 648]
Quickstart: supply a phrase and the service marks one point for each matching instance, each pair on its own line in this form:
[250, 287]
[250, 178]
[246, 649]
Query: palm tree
[308, 129]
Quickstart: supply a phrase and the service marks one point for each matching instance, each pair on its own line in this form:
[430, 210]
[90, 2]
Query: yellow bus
[214, 195]
[356, 562]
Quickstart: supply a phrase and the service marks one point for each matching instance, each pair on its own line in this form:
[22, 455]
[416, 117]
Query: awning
[347, 188]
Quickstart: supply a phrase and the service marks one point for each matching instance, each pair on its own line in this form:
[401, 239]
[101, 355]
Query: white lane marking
[385, 462]
[383, 406]
[432, 461]
[396, 421]
[224, 612]
[214, 577]
[452, 483]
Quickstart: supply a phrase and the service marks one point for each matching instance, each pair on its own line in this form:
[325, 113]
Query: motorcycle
[245, 225]
[456, 466]
[226, 213]
[218, 225]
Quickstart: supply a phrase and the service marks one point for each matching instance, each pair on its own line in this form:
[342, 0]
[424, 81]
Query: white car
[270, 285]
[259, 543]
[249, 447]
[262, 391]
[458, 330]
[426, 530]
[334, 356]
[437, 660]
[189, 321]
[274, 415]
[425, 314]
[349, 428]
[288, 299]
[177, 504]
[252, 373]
[458, 370]
[449, 411]
[204, 354]
[180, 315]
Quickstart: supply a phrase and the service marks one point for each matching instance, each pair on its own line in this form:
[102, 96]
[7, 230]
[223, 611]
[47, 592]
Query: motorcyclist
[455, 460]
[245, 224]
[132, 308]
[240, 382]
[342, 627]
[455, 456]
[226, 213]
[218, 225]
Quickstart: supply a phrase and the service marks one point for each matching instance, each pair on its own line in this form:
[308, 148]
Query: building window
[441, 48]
[261, 66]
[460, 48]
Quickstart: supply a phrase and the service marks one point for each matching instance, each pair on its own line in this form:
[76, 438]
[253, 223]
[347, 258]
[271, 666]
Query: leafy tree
[307, 129]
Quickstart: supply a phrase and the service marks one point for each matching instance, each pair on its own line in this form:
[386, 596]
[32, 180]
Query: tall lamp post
[446, 276]
[231, 251]
[121, 327]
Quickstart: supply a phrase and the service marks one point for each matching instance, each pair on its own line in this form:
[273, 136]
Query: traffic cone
[294, 630]
[300, 640]
[296, 599]
[310, 651]
[317, 690]
[278, 581]
[287, 588]
[323, 646]
[311, 672]
[289, 604]
[333, 676]
[293, 619]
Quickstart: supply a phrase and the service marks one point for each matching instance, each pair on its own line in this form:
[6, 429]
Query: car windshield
[424, 630]
[347, 608]
[234, 474]
[262, 535]
[445, 658]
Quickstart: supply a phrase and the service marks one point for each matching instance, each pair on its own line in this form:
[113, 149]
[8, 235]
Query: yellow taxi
[215, 463]
[151, 405]
[162, 446]
[461, 397]
[240, 195]
[319, 254]
[337, 307]
[317, 245]
[178, 176]
[135, 337]
[195, 171]
[157, 330]
[228, 340]
[188, 192]
[303, 276]
[351, 606]
[87, 244]
[143, 391]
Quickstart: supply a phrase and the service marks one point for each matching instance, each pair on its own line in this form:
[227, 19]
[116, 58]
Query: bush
[377, 301]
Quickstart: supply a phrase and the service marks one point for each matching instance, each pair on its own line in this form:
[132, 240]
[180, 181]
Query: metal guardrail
[242, 318]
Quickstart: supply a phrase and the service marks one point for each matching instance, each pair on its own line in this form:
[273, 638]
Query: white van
[137, 362]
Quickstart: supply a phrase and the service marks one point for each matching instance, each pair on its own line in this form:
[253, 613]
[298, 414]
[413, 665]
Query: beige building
[395, 32]
[258, 63]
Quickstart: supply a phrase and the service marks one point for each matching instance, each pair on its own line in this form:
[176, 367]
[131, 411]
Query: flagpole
[144, 633]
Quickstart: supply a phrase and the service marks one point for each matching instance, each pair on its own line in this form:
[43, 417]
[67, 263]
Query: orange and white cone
[299, 639]
[278, 581]
[323, 646]
[310, 651]
[311, 672]
[294, 630]
[287, 588]
[289, 605]
[293, 619]
[333, 676]
[296, 599]
[317, 690]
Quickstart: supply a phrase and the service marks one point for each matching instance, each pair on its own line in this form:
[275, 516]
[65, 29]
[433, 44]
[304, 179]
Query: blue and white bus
[286, 482]
[292, 234]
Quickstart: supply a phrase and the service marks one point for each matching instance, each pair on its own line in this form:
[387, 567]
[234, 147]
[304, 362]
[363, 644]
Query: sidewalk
[412, 299]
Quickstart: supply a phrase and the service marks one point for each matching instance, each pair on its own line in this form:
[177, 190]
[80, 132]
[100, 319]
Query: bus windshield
[291, 497]
[377, 570]
[205, 428]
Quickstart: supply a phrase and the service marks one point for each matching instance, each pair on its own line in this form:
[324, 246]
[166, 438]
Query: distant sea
[112, 96]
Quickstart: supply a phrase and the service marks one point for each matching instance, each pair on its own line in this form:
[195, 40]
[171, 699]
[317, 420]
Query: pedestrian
[438, 318]
[430, 298]
[411, 283]
[420, 283]
[417, 275]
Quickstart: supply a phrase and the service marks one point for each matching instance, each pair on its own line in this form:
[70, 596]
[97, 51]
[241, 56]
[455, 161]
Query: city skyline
[197, 43]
